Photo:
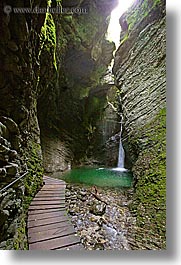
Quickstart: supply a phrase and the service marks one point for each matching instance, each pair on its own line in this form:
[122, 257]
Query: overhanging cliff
[67, 114]
[56, 103]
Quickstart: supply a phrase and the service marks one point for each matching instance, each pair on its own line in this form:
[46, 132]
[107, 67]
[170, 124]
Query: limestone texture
[140, 75]
[49, 64]
[61, 107]
[19, 130]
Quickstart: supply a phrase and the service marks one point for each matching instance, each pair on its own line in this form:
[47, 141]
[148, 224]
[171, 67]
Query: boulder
[3, 130]
[98, 208]
[3, 172]
[11, 169]
[3, 216]
[11, 125]
[4, 150]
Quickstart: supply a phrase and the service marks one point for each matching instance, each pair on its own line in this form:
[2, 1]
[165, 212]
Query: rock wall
[20, 149]
[106, 143]
[49, 64]
[69, 106]
[140, 75]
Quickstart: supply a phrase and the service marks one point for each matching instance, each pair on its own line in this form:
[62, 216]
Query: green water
[99, 177]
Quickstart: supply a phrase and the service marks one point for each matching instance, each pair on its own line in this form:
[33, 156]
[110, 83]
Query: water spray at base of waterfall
[121, 169]
[121, 155]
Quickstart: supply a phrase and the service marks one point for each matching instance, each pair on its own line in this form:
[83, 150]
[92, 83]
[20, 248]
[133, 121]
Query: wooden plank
[50, 220]
[39, 211]
[61, 191]
[48, 194]
[55, 192]
[59, 194]
[44, 207]
[50, 234]
[41, 216]
[56, 179]
[59, 187]
[51, 190]
[49, 198]
[53, 179]
[48, 202]
[52, 187]
[48, 224]
[47, 181]
[55, 243]
[55, 185]
[58, 190]
[52, 182]
[49, 227]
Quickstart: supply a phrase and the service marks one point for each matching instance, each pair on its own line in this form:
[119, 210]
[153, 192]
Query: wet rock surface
[140, 75]
[101, 217]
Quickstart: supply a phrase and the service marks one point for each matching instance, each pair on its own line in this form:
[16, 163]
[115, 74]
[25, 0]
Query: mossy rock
[149, 204]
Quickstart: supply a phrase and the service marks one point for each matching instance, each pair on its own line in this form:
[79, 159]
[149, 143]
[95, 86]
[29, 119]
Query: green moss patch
[35, 173]
[141, 11]
[32, 182]
[149, 204]
[48, 39]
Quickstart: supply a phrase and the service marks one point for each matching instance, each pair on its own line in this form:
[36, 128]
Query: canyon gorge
[61, 106]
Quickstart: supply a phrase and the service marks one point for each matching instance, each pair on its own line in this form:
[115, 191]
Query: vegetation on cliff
[149, 204]
[140, 73]
[52, 84]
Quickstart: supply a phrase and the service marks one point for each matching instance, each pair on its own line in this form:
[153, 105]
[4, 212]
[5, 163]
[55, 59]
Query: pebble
[101, 226]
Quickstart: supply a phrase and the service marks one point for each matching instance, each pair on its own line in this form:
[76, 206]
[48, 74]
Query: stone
[3, 245]
[83, 199]
[82, 192]
[3, 130]
[68, 186]
[13, 154]
[98, 208]
[16, 142]
[11, 125]
[4, 158]
[11, 169]
[12, 228]
[99, 246]
[3, 149]
[68, 193]
[3, 216]
[3, 172]
[4, 142]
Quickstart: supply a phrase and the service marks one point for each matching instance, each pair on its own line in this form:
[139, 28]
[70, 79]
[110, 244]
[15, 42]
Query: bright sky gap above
[114, 29]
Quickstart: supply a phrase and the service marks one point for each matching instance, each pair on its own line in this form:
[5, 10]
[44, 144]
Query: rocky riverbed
[101, 217]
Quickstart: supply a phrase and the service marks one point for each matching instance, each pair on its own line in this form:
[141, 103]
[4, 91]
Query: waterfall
[121, 152]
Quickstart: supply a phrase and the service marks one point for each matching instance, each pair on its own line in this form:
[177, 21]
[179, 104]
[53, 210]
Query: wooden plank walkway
[49, 227]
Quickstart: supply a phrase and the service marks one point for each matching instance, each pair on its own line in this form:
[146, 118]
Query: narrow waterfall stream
[121, 152]
[121, 155]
